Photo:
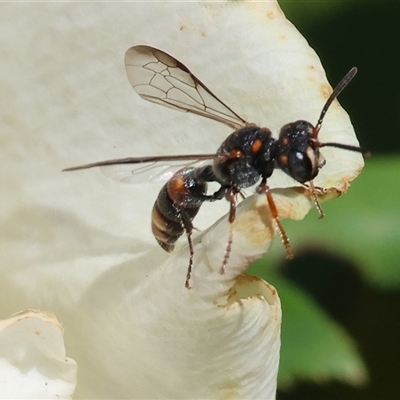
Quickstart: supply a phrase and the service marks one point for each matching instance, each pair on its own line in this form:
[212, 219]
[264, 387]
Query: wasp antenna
[338, 89]
[364, 152]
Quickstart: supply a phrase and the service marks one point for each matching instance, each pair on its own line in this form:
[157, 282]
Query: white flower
[80, 245]
[33, 362]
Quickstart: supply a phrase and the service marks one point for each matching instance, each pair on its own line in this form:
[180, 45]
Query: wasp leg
[242, 194]
[264, 188]
[188, 226]
[218, 195]
[313, 191]
[231, 195]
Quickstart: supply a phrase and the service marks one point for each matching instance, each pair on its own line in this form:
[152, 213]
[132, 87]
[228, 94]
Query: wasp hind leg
[188, 227]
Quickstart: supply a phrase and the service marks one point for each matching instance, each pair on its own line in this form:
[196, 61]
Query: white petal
[220, 339]
[33, 363]
[81, 244]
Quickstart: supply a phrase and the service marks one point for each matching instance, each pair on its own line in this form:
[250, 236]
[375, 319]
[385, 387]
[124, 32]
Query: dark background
[365, 35]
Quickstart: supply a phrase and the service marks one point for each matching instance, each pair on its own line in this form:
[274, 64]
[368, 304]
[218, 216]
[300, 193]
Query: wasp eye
[300, 166]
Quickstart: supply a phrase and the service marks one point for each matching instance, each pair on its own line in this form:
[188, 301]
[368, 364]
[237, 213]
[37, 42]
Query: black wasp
[247, 155]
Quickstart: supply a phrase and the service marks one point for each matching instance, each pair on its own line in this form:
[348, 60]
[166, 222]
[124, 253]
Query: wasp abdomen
[181, 196]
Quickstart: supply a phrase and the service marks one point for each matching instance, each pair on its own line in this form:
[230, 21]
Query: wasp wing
[154, 172]
[160, 78]
[150, 169]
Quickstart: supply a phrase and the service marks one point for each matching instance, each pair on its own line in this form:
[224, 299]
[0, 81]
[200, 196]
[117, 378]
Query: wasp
[247, 156]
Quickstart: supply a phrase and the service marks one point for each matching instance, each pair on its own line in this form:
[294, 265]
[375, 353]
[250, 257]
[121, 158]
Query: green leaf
[314, 347]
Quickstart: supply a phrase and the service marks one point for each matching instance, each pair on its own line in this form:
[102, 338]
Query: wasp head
[297, 151]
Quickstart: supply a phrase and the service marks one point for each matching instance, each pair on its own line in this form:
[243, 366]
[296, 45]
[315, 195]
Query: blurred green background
[341, 294]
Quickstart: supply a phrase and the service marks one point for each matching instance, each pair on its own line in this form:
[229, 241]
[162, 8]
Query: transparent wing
[154, 172]
[160, 78]
[136, 170]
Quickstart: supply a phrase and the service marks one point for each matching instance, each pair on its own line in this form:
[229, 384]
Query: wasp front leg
[264, 188]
